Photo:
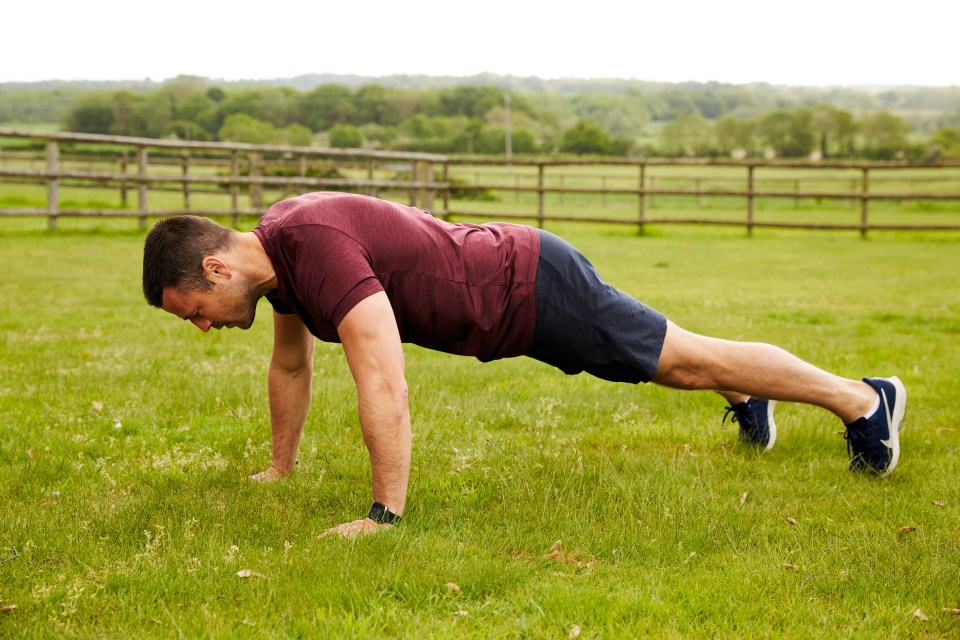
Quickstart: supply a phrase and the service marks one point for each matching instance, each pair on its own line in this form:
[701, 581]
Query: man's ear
[215, 267]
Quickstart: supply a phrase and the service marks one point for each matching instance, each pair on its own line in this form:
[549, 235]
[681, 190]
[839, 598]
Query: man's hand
[356, 528]
[270, 475]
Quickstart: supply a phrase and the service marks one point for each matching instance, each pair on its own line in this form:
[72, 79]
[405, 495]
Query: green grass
[127, 437]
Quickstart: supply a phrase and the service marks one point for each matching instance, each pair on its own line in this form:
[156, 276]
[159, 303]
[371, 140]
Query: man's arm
[371, 342]
[291, 371]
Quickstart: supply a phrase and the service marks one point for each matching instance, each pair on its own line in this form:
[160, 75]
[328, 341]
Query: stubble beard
[242, 306]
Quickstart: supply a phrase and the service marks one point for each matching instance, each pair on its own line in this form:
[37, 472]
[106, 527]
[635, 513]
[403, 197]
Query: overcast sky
[815, 42]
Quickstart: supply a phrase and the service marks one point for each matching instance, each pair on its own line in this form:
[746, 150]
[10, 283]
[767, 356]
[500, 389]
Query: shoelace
[853, 436]
[737, 417]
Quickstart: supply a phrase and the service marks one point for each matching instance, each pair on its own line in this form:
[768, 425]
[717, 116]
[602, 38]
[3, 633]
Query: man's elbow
[397, 391]
[291, 369]
[390, 390]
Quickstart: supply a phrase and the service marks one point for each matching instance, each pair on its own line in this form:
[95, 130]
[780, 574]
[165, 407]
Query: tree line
[690, 119]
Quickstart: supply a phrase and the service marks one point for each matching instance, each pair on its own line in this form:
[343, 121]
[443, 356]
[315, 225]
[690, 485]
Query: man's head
[189, 270]
[173, 255]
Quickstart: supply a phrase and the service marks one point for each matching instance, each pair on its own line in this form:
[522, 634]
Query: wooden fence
[240, 179]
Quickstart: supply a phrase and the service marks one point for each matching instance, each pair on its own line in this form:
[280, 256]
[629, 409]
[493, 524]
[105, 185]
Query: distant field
[127, 437]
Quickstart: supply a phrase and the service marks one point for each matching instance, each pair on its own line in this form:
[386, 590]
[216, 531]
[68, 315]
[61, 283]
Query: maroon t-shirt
[460, 288]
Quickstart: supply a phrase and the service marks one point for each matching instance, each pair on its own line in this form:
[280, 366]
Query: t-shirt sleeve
[279, 306]
[333, 273]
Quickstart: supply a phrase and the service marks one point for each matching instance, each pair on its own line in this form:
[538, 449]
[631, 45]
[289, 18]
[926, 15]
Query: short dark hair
[173, 254]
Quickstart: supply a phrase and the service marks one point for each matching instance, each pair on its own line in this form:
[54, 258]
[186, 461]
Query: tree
[185, 130]
[945, 144]
[686, 136]
[883, 135]
[297, 135]
[468, 138]
[374, 106]
[788, 133]
[620, 115]
[733, 135]
[127, 114]
[377, 135]
[345, 136]
[473, 102]
[239, 127]
[834, 130]
[327, 105]
[91, 114]
[492, 140]
[180, 90]
[586, 137]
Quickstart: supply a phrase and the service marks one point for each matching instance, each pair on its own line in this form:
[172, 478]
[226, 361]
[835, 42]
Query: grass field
[558, 505]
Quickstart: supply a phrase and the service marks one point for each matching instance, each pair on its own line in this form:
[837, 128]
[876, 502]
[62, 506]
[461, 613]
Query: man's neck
[256, 262]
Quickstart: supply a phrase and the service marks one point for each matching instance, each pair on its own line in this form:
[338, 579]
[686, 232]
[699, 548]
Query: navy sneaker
[755, 417]
[874, 443]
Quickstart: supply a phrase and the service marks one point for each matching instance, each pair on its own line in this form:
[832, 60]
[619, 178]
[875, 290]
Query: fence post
[643, 199]
[428, 192]
[864, 200]
[301, 173]
[142, 185]
[123, 180]
[421, 170]
[371, 173]
[256, 187]
[540, 195]
[185, 161]
[749, 200]
[53, 184]
[235, 187]
[446, 190]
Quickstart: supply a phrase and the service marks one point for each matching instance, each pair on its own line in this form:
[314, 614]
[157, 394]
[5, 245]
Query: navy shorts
[584, 324]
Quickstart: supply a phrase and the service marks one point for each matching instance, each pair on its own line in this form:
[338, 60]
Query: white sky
[815, 42]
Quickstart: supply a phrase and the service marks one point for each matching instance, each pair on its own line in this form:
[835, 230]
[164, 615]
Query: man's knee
[686, 361]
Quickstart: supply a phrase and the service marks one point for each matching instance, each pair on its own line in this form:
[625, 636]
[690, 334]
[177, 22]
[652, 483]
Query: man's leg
[739, 369]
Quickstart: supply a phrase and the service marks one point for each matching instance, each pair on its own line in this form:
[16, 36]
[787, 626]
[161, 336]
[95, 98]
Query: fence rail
[211, 178]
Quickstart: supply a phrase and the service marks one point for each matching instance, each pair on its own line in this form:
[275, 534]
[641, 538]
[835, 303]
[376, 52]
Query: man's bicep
[292, 342]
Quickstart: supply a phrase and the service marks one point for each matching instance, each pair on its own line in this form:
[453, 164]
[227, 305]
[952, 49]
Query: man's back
[461, 288]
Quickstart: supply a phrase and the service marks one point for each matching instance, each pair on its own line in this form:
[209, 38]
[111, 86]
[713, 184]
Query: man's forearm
[385, 420]
[289, 403]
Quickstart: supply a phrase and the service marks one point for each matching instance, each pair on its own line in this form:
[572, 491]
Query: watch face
[380, 513]
[377, 511]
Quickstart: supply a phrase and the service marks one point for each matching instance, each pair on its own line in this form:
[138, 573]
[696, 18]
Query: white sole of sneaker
[895, 420]
[771, 425]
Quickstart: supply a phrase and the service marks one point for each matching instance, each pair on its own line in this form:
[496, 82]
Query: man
[372, 274]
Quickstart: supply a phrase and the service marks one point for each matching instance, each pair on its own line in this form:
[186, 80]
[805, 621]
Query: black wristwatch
[380, 514]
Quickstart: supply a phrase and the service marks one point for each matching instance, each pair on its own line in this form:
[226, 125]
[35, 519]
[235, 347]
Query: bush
[345, 136]
[586, 137]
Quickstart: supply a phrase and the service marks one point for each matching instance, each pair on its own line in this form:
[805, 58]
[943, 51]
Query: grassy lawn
[557, 505]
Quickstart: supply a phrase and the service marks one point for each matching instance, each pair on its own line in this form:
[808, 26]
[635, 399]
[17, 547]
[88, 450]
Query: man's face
[231, 303]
